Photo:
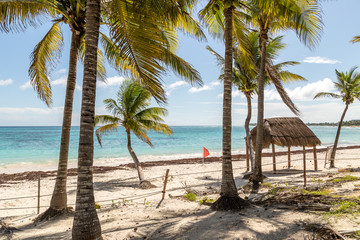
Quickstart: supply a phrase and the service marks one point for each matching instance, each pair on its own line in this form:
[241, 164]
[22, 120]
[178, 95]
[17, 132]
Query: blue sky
[187, 105]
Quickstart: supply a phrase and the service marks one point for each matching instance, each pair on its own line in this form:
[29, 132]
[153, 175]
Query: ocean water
[40, 145]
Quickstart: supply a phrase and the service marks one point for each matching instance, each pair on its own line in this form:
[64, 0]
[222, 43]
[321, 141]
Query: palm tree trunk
[332, 157]
[247, 131]
[86, 223]
[58, 203]
[229, 199]
[257, 176]
[134, 157]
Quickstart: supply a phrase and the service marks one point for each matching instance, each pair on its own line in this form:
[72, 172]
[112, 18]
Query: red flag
[206, 152]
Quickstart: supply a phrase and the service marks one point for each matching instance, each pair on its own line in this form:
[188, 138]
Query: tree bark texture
[86, 222]
[59, 197]
[247, 130]
[333, 152]
[257, 176]
[134, 157]
[228, 187]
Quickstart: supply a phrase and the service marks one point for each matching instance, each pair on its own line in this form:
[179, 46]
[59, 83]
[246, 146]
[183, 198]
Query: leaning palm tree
[245, 72]
[131, 110]
[268, 17]
[348, 85]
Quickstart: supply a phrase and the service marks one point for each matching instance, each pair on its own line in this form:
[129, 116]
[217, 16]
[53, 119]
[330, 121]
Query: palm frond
[17, 15]
[44, 56]
[355, 39]
[287, 76]
[112, 127]
[326, 94]
[275, 79]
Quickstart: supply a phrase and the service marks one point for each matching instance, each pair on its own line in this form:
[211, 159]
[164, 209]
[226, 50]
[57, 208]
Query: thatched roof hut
[286, 132]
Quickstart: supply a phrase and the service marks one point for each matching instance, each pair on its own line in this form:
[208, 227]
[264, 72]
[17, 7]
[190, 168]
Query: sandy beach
[128, 212]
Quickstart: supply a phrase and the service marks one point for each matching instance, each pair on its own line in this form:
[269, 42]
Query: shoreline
[33, 175]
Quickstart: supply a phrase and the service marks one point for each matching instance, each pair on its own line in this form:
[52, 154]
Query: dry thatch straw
[286, 131]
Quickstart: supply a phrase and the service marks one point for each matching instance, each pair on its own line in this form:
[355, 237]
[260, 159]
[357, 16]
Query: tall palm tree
[86, 223]
[348, 85]
[245, 72]
[218, 15]
[267, 17]
[45, 54]
[131, 110]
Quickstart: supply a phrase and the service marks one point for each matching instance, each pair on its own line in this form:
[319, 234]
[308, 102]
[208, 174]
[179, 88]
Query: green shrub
[346, 178]
[190, 196]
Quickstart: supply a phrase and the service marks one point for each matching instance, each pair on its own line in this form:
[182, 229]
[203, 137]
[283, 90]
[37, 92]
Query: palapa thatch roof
[286, 131]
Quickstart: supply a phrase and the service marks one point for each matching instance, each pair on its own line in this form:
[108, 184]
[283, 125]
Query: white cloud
[215, 83]
[176, 84]
[200, 89]
[234, 93]
[25, 85]
[211, 86]
[62, 71]
[321, 60]
[6, 82]
[110, 82]
[173, 86]
[304, 93]
[62, 82]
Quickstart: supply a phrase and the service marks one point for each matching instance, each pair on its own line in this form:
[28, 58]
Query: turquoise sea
[40, 145]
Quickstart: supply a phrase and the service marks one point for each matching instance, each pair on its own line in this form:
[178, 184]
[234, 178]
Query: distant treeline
[345, 123]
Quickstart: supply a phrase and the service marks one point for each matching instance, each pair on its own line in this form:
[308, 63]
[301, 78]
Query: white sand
[128, 212]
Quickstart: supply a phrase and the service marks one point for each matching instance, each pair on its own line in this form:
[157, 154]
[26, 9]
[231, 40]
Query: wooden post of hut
[315, 159]
[304, 162]
[273, 156]
[247, 156]
[289, 160]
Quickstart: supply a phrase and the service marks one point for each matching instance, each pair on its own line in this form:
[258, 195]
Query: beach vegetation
[206, 200]
[267, 185]
[131, 111]
[97, 206]
[190, 196]
[347, 178]
[269, 17]
[348, 86]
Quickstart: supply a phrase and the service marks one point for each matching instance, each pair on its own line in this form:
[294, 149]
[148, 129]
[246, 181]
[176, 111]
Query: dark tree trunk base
[51, 213]
[146, 185]
[225, 203]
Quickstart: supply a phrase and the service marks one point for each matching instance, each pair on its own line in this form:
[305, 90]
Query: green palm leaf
[44, 56]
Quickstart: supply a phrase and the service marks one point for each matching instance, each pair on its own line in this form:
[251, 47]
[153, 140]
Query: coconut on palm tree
[131, 110]
[348, 85]
[245, 71]
[268, 17]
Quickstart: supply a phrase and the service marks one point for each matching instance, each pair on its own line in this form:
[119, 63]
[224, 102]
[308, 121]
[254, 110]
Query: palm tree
[132, 112]
[268, 17]
[134, 27]
[218, 15]
[348, 85]
[45, 54]
[86, 223]
[245, 72]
